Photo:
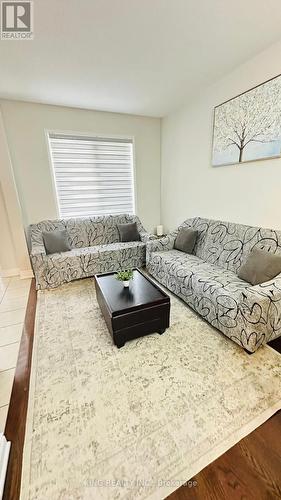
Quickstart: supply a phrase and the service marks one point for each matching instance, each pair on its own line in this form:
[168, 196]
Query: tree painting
[248, 127]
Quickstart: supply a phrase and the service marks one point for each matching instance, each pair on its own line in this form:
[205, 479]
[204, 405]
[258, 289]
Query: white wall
[249, 193]
[25, 125]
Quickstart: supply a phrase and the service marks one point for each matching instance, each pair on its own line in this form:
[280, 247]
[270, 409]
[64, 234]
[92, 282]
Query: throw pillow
[128, 232]
[260, 266]
[185, 240]
[56, 241]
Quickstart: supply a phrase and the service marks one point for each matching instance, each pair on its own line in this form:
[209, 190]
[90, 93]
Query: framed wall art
[248, 127]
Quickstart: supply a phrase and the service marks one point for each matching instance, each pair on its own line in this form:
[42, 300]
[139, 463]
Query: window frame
[92, 135]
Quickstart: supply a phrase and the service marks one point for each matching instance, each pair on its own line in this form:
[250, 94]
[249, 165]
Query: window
[93, 176]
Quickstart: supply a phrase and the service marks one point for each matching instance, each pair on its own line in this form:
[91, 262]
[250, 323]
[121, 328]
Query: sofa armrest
[37, 255]
[261, 306]
[37, 250]
[160, 245]
[145, 237]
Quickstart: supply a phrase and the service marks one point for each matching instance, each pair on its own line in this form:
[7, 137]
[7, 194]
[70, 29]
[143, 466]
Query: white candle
[159, 230]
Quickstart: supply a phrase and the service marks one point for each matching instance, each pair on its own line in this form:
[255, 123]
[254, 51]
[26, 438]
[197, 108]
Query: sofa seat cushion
[110, 247]
[87, 261]
[189, 275]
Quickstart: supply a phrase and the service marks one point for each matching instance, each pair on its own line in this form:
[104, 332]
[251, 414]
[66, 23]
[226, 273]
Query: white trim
[7, 273]
[135, 193]
[4, 457]
[26, 274]
[93, 135]
[50, 161]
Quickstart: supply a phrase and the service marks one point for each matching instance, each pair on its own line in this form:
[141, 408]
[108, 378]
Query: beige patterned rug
[134, 423]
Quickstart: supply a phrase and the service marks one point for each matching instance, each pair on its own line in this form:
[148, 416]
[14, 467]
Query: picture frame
[247, 127]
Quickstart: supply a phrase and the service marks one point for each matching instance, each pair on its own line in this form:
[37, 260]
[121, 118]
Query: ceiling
[133, 56]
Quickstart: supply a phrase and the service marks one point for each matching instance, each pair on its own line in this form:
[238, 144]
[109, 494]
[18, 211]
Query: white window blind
[93, 176]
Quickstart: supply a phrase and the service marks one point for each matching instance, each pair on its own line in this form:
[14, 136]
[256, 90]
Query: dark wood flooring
[249, 470]
[16, 418]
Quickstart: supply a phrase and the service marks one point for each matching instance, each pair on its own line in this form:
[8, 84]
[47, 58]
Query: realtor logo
[17, 20]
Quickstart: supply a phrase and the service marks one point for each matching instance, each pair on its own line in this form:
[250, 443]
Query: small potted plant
[125, 276]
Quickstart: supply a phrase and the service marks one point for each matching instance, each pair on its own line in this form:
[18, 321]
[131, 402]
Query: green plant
[125, 275]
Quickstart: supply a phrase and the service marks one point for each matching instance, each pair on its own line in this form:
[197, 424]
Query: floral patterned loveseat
[95, 248]
[207, 280]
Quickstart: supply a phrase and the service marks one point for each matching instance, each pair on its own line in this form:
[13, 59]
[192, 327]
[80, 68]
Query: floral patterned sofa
[207, 280]
[95, 248]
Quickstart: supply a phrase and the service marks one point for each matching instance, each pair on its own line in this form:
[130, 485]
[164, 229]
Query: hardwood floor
[16, 418]
[249, 470]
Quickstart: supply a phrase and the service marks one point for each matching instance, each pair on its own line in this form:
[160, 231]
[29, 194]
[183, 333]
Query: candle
[159, 230]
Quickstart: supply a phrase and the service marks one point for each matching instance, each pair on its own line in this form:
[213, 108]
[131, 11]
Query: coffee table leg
[161, 331]
[119, 344]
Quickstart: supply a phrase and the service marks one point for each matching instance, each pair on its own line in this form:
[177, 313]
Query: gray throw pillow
[128, 232]
[56, 241]
[260, 266]
[185, 240]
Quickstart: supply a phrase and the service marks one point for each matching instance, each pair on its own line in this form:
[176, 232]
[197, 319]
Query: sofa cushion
[128, 232]
[193, 275]
[260, 267]
[212, 291]
[82, 262]
[56, 241]
[185, 240]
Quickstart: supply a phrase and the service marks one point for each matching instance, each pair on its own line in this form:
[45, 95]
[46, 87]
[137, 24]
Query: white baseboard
[7, 273]
[26, 274]
[4, 456]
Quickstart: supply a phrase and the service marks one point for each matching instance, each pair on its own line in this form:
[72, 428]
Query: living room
[140, 256]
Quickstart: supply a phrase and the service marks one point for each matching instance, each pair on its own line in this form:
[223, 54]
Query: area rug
[137, 422]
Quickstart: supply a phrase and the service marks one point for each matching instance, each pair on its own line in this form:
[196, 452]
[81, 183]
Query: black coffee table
[132, 312]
